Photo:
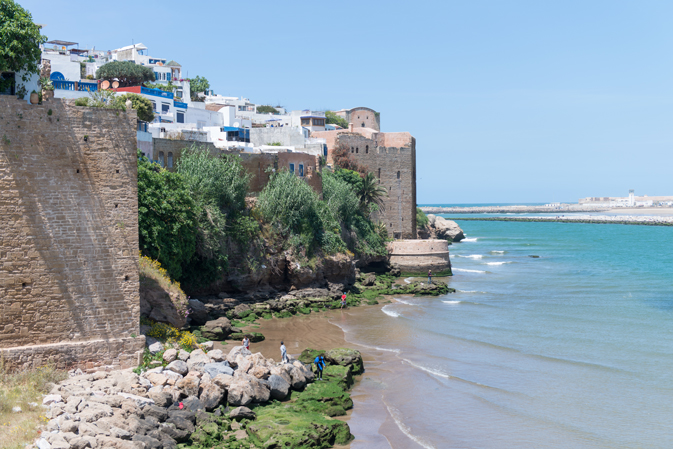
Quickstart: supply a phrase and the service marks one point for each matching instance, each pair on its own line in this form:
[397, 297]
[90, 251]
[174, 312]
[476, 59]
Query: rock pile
[163, 406]
[441, 228]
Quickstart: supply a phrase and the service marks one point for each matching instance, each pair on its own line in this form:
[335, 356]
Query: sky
[510, 101]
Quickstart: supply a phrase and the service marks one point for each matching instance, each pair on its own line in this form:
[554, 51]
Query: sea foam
[397, 417]
[474, 239]
[389, 312]
[468, 271]
[497, 263]
[432, 371]
[451, 302]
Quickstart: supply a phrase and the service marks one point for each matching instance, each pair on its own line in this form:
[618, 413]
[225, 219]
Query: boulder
[446, 229]
[240, 392]
[235, 351]
[279, 387]
[153, 345]
[242, 310]
[207, 346]
[218, 329]
[211, 396]
[369, 280]
[298, 378]
[189, 385]
[214, 369]
[346, 357]
[198, 312]
[242, 413]
[217, 355]
[183, 355]
[197, 360]
[159, 303]
[178, 366]
[170, 355]
[161, 398]
[193, 404]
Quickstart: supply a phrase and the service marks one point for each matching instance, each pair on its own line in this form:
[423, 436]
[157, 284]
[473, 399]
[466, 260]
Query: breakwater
[597, 219]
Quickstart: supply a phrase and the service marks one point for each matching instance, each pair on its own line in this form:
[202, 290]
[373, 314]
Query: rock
[157, 379]
[52, 398]
[236, 350]
[395, 271]
[16, 409]
[242, 310]
[298, 378]
[80, 443]
[179, 435]
[161, 398]
[345, 357]
[172, 376]
[155, 347]
[181, 423]
[170, 355]
[178, 366]
[136, 398]
[199, 313]
[240, 393]
[158, 413]
[446, 229]
[183, 355]
[217, 355]
[59, 443]
[279, 387]
[255, 337]
[207, 346]
[149, 442]
[223, 381]
[69, 426]
[211, 396]
[240, 413]
[197, 360]
[43, 444]
[158, 303]
[218, 329]
[369, 280]
[116, 432]
[214, 369]
[189, 385]
[193, 404]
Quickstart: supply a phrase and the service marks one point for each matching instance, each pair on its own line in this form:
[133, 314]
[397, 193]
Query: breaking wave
[389, 312]
[397, 417]
[468, 271]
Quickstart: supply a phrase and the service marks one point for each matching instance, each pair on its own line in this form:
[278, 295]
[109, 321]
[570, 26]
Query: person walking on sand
[343, 300]
[283, 352]
[319, 364]
[429, 276]
[246, 342]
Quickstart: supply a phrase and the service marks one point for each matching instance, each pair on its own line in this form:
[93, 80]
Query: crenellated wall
[68, 235]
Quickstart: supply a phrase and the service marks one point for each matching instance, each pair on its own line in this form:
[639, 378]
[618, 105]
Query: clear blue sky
[510, 101]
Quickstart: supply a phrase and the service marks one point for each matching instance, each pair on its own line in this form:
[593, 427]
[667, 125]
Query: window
[357, 150]
[379, 176]
[161, 158]
[178, 93]
[366, 149]
[324, 150]
[352, 150]
[305, 122]
[154, 106]
[398, 175]
[318, 122]
[291, 168]
[180, 117]
[165, 107]
[363, 124]
[301, 170]
[170, 160]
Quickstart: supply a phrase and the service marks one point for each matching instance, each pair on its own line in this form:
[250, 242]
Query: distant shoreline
[564, 209]
[598, 219]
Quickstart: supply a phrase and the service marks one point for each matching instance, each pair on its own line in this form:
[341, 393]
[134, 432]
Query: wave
[497, 252]
[497, 263]
[468, 271]
[469, 291]
[473, 239]
[397, 351]
[402, 301]
[471, 256]
[434, 372]
[397, 417]
[452, 302]
[389, 312]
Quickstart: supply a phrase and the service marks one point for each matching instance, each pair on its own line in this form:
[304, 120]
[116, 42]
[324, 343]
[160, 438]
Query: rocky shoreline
[204, 399]
[594, 219]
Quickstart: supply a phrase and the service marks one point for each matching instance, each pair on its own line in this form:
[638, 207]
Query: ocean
[569, 349]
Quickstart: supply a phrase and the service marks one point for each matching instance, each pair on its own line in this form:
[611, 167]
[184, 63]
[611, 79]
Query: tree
[334, 119]
[266, 110]
[140, 104]
[20, 41]
[198, 86]
[342, 159]
[127, 73]
[371, 192]
[166, 217]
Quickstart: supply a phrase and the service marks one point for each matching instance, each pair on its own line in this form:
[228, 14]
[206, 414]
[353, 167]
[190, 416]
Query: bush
[127, 73]
[266, 110]
[421, 219]
[140, 104]
[334, 119]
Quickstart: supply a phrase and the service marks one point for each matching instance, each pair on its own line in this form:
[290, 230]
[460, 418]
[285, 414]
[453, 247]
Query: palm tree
[371, 192]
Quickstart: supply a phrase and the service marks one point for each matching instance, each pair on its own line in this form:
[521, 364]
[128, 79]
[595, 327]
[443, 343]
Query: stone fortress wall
[69, 287]
[391, 157]
[362, 117]
[419, 256]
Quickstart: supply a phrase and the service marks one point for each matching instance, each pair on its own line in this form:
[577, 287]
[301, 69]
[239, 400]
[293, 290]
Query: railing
[75, 86]
[178, 104]
[156, 92]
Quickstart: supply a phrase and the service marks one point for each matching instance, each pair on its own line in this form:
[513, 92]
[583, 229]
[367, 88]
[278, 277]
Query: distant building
[361, 117]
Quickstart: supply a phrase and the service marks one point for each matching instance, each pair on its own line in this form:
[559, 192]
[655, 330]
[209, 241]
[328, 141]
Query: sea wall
[68, 235]
[419, 256]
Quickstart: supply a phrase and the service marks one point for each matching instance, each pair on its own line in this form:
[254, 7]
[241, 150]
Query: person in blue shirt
[320, 364]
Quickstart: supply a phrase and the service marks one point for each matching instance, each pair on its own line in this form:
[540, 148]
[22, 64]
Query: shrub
[127, 73]
[421, 219]
[334, 119]
[266, 110]
[140, 104]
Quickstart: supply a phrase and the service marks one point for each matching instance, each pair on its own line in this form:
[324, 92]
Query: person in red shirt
[343, 300]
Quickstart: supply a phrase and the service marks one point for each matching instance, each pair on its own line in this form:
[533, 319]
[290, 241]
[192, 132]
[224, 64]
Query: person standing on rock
[283, 352]
[319, 364]
[429, 276]
[343, 300]
[246, 342]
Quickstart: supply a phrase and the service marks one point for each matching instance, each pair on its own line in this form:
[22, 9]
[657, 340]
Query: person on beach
[319, 364]
[246, 342]
[283, 352]
[343, 300]
[429, 276]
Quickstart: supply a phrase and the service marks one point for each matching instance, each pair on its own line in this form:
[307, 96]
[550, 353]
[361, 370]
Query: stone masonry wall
[419, 256]
[394, 166]
[68, 235]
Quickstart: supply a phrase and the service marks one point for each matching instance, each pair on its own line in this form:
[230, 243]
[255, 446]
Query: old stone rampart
[419, 256]
[68, 236]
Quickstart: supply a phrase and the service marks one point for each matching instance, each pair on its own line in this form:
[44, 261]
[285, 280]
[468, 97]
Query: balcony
[179, 104]
[75, 86]
[156, 92]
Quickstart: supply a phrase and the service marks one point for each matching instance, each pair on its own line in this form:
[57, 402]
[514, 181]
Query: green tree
[127, 73]
[139, 103]
[421, 219]
[266, 110]
[371, 193]
[198, 86]
[20, 41]
[334, 119]
[167, 217]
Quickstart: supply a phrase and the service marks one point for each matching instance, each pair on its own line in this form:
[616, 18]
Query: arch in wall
[161, 158]
[169, 164]
[363, 124]
[56, 76]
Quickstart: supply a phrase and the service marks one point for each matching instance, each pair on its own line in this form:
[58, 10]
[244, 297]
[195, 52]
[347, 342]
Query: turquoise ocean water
[573, 349]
